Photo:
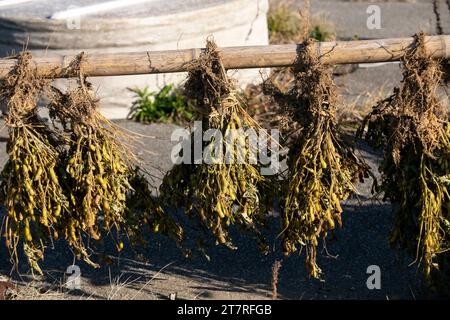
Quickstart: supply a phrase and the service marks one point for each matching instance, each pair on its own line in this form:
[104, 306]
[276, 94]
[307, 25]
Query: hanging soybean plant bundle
[322, 167]
[98, 166]
[446, 71]
[411, 128]
[30, 189]
[220, 193]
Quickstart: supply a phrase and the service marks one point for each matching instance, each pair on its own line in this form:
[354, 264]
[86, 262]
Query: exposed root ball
[411, 128]
[30, 187]
[322, 167]
[220, 194]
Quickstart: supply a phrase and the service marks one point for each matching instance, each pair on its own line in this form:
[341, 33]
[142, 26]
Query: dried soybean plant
[322, 167]
[414, 133]
[100, 175]
[30, 188]
[220, 193]
[446, 71]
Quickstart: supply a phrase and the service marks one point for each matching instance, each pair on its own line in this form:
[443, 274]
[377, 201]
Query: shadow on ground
[246, 273]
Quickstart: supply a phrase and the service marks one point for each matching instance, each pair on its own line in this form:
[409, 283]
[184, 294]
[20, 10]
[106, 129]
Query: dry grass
[120, 288]
[35, 291]
[353, 112]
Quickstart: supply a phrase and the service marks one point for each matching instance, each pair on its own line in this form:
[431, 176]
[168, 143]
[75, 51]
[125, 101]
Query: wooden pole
[340, 52]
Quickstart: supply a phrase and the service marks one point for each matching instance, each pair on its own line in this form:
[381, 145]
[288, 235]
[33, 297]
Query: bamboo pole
[148, 62]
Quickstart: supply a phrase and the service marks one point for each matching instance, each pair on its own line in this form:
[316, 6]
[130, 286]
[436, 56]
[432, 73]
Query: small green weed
[167, 105]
